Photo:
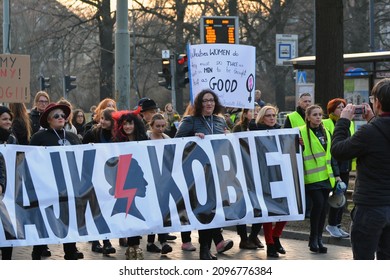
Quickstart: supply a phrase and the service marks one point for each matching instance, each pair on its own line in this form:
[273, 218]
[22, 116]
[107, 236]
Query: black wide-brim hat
[148, 104]
[52, 106]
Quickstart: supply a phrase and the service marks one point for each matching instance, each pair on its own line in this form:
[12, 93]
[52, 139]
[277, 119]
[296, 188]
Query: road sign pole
[173, 81]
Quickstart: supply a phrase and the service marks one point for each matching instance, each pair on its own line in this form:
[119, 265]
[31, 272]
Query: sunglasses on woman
[57, 116]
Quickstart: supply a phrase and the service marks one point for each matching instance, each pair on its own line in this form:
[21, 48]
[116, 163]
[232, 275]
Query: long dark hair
[139, 128]
[74, 119]
[197, 107]
[106, 114]
[20, 114]
[244, 121]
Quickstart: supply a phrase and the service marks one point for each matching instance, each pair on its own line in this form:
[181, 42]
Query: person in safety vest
[297, 118]
[334, 109]
[319, 172]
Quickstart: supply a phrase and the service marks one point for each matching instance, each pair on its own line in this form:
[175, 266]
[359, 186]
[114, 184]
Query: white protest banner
[92, 192]
[226, 69]
[14, 78]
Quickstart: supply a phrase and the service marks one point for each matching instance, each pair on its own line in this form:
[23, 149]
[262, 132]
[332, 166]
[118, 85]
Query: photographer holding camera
[370, 231]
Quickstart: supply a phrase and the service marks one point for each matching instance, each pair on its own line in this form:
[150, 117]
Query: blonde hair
[263, 110]
[156, 117]
[38, 95]
[63, 101]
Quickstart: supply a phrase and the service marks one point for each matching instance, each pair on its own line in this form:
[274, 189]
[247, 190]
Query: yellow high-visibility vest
[296, 119]
[316, 161]
[329, 124]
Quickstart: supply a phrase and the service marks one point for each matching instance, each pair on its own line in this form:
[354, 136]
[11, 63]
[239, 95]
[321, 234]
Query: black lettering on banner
[84, 192]
[30, 214]
[166, 186]
[233, 210]
[60, 226]
[249, 178]
[9, 231]
[290, 145]
[268, 174]
[203, 212]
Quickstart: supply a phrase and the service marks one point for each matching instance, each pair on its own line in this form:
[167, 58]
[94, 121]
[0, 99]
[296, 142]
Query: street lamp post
[122, 56]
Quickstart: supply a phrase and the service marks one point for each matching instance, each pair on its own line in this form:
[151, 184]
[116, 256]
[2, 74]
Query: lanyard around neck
[209, 125]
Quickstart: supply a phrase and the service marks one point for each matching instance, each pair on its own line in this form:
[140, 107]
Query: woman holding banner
[157, 127]
[203, 119]
[102, 133]
[129, 127]
[252, 242]
[54, 134]
[6, 137]
[266, 120]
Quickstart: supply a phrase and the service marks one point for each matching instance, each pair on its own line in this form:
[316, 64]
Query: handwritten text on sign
[14, 78]
[228, 70]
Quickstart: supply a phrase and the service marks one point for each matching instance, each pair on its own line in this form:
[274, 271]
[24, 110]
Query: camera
[359, 109]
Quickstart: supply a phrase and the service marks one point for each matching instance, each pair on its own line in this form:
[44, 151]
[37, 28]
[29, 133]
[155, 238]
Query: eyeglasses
[270, 115]
[371, 98]
[43, 101]
[57, 116]
[208, 101]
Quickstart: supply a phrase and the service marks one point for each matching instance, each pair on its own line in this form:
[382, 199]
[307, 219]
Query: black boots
[278, 246]
[204, 253]
[316, 245]
[123, 242]
[313, 244]
[271, 251]
[107, 248]
[321, 248]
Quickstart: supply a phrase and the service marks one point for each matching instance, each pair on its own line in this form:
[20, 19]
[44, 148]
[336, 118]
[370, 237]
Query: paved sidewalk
[295, 244]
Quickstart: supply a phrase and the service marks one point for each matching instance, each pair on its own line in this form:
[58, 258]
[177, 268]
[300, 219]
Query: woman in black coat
[102, 133]
[266, 120]
[6, 137]
[54, 134]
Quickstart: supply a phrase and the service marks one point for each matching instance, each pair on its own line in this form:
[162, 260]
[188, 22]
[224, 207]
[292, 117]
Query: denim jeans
[370, 232]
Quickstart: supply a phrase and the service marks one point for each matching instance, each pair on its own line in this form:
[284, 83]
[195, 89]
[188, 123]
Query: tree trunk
[329, 73]
[233, 8]
[181, 48]
[106, 27]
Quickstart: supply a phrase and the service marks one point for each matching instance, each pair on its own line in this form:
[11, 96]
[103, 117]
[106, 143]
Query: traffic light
[68, 83]
[182, 70]
[44, 82]
[165, 74]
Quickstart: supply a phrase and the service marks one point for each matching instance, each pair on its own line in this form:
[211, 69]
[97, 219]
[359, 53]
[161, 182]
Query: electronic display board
[219, 30]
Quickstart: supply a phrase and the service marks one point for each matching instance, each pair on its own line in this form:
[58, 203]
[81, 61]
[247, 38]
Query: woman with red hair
[334, 108]
[129, 127]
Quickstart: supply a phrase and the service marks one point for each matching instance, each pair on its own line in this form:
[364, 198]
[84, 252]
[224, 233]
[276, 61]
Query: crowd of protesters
[324, 163]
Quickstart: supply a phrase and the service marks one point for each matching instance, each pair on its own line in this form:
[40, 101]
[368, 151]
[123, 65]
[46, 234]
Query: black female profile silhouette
[126, 177]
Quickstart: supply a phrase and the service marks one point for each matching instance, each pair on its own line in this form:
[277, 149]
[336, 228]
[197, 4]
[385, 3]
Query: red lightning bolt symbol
[121, 174]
